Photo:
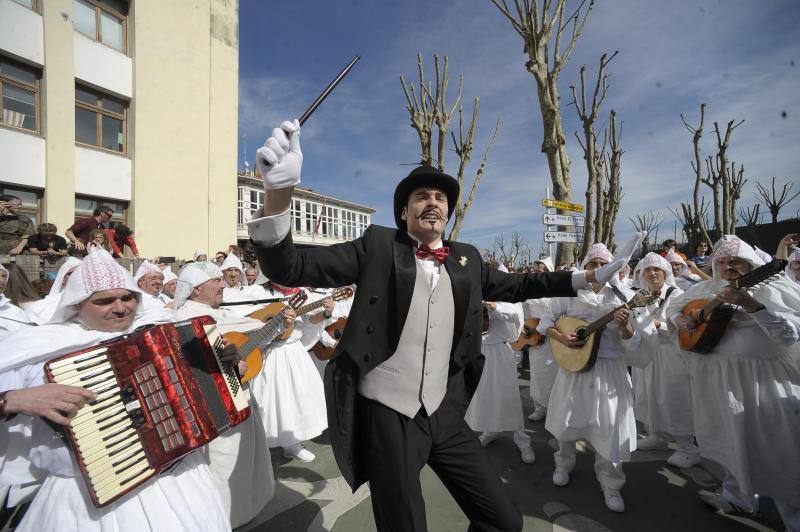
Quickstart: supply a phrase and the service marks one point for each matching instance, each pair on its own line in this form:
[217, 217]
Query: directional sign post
[560, 236]
[555, 204]
[563, 219]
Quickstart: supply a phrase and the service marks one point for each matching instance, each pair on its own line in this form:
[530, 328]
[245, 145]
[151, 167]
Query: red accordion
[162, 393]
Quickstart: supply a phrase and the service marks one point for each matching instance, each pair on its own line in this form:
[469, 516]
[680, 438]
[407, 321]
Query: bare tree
[649, 222]
[688, 218]
[603, 191]
[542, 31]
[774, 201]
[509, 252]
[427, 105]
[700, 227]
[725, 182]
[750, 215]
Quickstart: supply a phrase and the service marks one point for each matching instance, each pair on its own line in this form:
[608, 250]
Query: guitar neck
[603, 321]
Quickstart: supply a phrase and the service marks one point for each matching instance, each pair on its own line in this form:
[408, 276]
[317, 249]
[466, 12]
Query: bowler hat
[424, 176]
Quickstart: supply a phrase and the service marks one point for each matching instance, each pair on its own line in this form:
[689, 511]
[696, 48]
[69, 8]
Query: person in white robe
[543, 369]
[792, 270]
[290, 394]
[661, 390]
[100, 302]
[12, 317]
[684, 278]
[170, 282]
[496, 406]
[150, 280]
[240, 461]
[18, 481]
[746, 391]
[595, 405]
[42, 310]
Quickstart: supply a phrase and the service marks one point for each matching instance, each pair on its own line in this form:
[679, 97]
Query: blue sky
[741, 57]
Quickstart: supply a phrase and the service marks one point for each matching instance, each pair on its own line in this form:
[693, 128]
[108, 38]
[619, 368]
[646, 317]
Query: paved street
[314, 497]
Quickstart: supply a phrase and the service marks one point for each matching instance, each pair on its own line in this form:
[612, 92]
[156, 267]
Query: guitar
[251, 345]
[253, 353]
[582, 358]
[335, 331]
[529, 335]
[715, 314]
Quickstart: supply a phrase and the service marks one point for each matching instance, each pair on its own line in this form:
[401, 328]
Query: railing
[38, 267]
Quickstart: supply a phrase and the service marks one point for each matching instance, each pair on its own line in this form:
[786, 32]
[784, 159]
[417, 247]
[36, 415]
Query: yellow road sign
[555, 204]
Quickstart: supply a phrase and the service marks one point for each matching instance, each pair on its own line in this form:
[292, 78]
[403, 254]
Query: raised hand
[280, 159]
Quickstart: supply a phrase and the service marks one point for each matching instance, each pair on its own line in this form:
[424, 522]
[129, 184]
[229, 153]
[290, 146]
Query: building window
[349, 228]
[19, 87]
[249, 200]
[363, 222]
[85, 205]
[100, 120]
[297, 219]
[31, 202]
[102, 20]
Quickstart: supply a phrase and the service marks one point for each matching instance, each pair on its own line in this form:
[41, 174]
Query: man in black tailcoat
[409, 360]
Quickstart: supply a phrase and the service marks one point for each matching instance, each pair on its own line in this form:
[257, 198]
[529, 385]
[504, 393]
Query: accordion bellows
[162, 393]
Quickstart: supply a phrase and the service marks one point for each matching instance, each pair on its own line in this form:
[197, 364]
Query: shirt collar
[417, 241]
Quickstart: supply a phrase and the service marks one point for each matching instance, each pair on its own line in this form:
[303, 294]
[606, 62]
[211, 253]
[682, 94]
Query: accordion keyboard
[105, 429]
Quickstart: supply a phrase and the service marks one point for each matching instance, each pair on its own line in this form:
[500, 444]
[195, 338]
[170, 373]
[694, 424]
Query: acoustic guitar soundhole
[337, 334]
[581, 333]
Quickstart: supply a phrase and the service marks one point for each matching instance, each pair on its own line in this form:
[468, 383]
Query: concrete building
[131, 104]
[317, 219]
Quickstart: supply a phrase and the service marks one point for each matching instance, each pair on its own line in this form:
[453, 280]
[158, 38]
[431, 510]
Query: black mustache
[429, 211]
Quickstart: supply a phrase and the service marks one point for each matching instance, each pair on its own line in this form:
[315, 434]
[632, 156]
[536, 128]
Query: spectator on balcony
[78, 233]
[15, 228]
[19, 289]
[46, 242]
[119, 237]
[98, 238]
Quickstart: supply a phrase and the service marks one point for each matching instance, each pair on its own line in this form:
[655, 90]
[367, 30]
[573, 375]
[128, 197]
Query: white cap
[145, 268]
[653, 260]
[232, 261]
[597, 251]
[733, 246]
[191, 276]
[97, 272]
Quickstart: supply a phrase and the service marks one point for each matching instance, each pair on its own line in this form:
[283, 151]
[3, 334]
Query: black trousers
[396, 448]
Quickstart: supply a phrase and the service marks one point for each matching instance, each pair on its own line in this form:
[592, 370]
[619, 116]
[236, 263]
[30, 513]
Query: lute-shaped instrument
[715, 314]
[582, 358]
[253, 353]
[251, 345]
[335, 331]
[529, 336]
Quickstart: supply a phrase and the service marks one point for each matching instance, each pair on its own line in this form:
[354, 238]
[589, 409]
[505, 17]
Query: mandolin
[582, 358]
[529, 335]
[715, 314]
[335, 330]
[253, 353]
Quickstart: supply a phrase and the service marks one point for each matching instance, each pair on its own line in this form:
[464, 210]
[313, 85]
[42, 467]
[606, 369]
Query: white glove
[605, 273]
[279, 160]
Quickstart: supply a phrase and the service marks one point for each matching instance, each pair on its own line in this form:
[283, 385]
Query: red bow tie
[441, 254]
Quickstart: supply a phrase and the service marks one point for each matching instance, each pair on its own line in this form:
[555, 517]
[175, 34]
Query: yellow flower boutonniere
[463, 261]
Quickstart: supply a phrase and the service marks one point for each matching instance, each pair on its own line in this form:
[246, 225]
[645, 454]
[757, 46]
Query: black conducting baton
[329, 89]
